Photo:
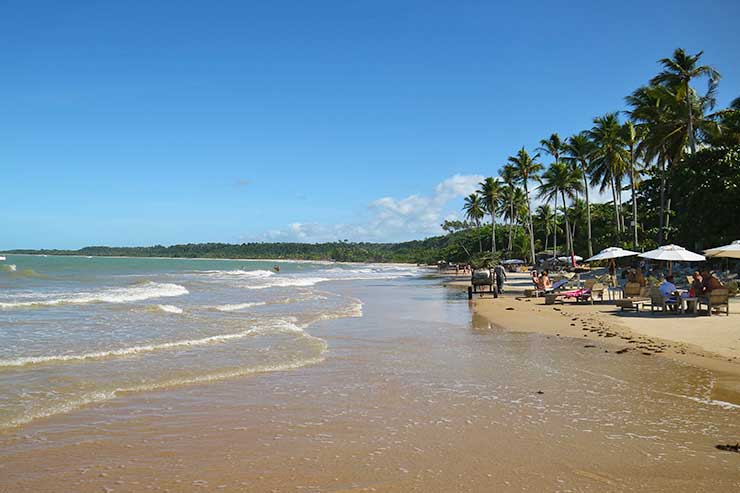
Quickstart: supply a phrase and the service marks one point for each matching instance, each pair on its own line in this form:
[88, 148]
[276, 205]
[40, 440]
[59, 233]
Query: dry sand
[708, 342]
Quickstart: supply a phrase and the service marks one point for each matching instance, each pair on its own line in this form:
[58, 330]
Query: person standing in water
[500, 273]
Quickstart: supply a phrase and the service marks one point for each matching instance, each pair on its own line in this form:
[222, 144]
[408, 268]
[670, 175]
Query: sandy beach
[424, 392]
[707, 342]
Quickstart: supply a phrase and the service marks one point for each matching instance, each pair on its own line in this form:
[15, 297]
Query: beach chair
[661, 303]
[717, 298]
[634, 297]
[579, 295]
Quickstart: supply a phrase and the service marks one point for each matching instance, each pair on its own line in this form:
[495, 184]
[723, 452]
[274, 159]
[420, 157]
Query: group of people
[541, 281]
[702, 284]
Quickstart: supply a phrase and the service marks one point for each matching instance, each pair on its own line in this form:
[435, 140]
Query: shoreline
[602, 327]
[404, 386]
[285, 260]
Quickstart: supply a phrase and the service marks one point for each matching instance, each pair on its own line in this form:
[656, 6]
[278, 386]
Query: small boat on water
[2, 258]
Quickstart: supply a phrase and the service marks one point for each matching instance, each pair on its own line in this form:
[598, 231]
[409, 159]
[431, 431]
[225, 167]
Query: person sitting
[696, 285]
[535, 279]
[640, 278]
[668, 289]
[709, 282]
[544, 281]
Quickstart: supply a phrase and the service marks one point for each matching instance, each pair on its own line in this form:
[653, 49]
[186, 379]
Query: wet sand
[411, 397]
[711, 343]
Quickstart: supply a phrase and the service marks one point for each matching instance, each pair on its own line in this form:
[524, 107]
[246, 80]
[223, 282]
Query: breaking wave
[278, 326]
[144, 291]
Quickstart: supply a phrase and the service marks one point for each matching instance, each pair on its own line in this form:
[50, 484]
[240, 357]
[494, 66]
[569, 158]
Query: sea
[81, 330]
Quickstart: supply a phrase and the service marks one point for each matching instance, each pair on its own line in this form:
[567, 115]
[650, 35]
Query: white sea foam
[707, 401]
[8, 267]
[274, 326]
[139, 292]
[170, 308]
[263, 279]
[238, 306]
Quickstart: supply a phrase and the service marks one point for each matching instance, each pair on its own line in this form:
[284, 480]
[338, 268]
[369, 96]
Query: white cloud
[390, 219]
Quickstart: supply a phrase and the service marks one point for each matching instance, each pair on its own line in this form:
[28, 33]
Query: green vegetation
[679, 161]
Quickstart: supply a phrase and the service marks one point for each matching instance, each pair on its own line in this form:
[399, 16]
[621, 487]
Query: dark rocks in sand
[622, 351]
[589, 345]
[646, 353]
[572, 325]
[606, 350]
[556, 308]
[729, 448]
[539, 392]
[509, 307]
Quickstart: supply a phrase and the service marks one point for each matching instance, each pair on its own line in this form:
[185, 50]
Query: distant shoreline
[284, 260]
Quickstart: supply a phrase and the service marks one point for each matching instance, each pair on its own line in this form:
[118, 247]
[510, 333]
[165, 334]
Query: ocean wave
[170, 309]
[102, 396]
[8, 268]
[143, 291]
[263, 279]
[238, 306]
[352, 311]
[275, 326]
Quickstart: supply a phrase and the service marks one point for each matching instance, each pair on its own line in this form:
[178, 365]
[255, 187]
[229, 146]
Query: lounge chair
[717, 298]
[579, 295]
[660, 302]
[634, 297]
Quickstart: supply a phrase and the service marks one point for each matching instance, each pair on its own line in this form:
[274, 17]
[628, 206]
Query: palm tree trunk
[634, 204]
[692, 137]
[555, 228]
[568, 239]
[511, 223]
[493, 233]
[588, 213]
[616, 206]
[661, 220]
[480, 242]
[529, 214]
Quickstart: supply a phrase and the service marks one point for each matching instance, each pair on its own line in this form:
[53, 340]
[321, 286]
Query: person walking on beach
[500, 273]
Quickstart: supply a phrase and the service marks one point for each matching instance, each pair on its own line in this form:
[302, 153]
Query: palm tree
[508, 177]
[553, 146]
[677, 74]
[609, 160]
[561, 179]
[515, 211]
[659, 120]
[490, 192]
[474, 211]
[579, 151]
[526, 168]
[543, 215]
[631, 140]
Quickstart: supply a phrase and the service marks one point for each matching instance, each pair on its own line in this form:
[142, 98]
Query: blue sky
[135, 123]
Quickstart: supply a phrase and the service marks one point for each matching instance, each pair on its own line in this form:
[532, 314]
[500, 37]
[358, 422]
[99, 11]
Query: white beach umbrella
[728, 251]
[513, 261]
[673, 253]
[610, 253]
